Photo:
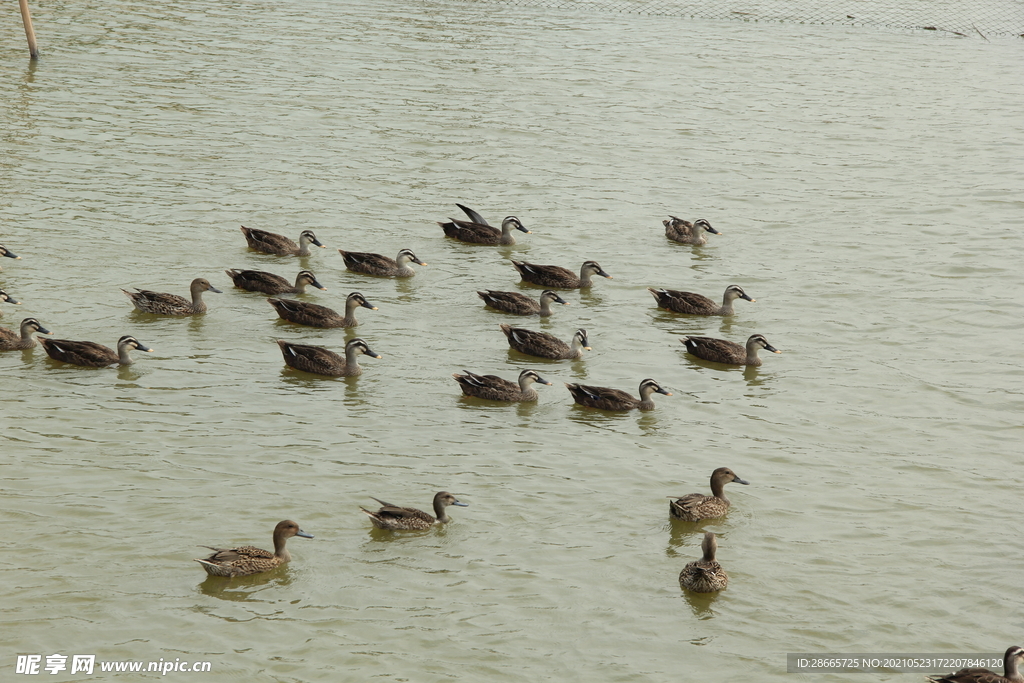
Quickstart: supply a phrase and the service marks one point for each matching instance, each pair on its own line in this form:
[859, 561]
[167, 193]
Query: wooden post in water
[33, 49]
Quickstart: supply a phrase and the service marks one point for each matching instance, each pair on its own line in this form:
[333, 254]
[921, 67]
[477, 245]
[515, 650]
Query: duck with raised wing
[93, 355]
[395, 518]
[279, 245]
[12, 341]
[1011, 672]
[557, 277]
[705, 575]
[7, 299]
[314, 315]
[545, 345]
[320, 361]
[731, 353]
[381, 266]
[481, 233]
[614, 399]
[678, 230]
[247, 559]
[694, 507]
[161, 303]
[520, 304]
[698, 304]
[269, 283]
[4, 251]
[494, 388]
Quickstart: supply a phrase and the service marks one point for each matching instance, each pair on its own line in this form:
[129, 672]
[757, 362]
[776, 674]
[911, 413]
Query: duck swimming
[248, 560]
[279, 245]
[93, 355]
[615, 399]
[1011, 673]
[694, 507]
[494, 388]
[685, 232]
[698, 304]
[730, 353]
[705, 575]
[162, 303]
[11, 340]
[381, 266]
[558, 277]
[398, 518]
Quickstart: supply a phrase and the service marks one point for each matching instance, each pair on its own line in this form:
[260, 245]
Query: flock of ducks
[705, 575]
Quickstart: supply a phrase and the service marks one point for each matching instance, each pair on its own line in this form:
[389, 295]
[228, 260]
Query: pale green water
[868, 188]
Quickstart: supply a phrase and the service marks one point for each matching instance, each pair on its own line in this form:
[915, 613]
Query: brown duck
[705, 575]
[248, 560]
[397, 518]
[694, 507]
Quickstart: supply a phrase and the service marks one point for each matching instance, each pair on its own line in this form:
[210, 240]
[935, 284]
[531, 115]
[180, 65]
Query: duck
[397, 518]
[558, 277]
[476, 232]
[7, 298]
[731, 353]
[375, 264]
[272, 243]
[4, 251]
[304, 313]
[694, 507]
[494, 388]
[161, 303]
[268, 283]
[321, 361]
[698, 304]
[247, 560]
[545, 345]
[91, 354]
[11, 340]
[705, 575]
[1011, 674]
[614, 399]
[686, 232]
[520, 304]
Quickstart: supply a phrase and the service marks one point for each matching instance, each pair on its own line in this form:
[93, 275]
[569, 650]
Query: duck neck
[300, 285]
[197, 299]
[545, 306]
[350, 311]
[440, 512]
[727, 300]
[576, 347]
[122, 354]
[646, 402]
[752, 357]
[718, 489]
[585, 277]
[279, 550]
[526, 389]
[1010, 668]
[352, 356]
[403, 264]
[304, 243]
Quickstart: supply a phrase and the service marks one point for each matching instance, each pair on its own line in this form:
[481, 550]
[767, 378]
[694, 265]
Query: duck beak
[741, 481]
[662, 391]
[367, 304]
[214, 289]
[319, 244]
[772, 349]
[460, 504]
[43, 330]
[744, 296]
[13, 301]
[302, 533]
[141, 347]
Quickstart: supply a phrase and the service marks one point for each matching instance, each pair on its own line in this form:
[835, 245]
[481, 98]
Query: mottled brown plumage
[545, 345]
[93, 355]
[381, 266]
[321, 361]
[678, 230]
[520, 304]
[705, 575]
[314, 315]
[615, 399]
[269, 283]
[494, 388]
[248, 560]
[397, 518]
[731, 353]
[11, 340]
[1011, 674]
[279, 245]
[162, 303]
[698, 304]
[694, 507]
[557, 277]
